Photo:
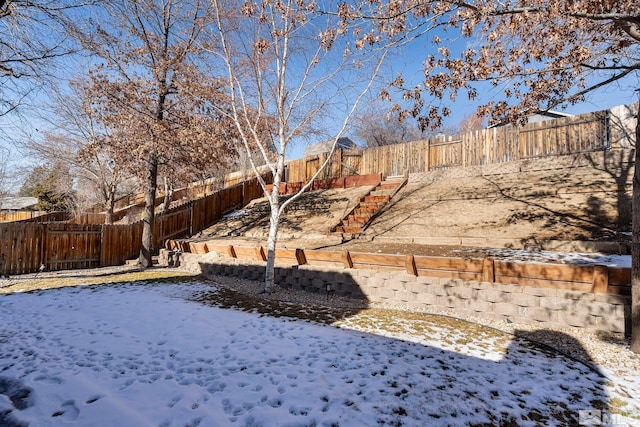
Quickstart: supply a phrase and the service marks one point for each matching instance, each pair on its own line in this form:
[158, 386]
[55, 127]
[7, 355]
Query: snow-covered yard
[144, 354]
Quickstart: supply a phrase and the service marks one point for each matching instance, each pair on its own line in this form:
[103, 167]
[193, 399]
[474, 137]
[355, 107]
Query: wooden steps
[359, 218]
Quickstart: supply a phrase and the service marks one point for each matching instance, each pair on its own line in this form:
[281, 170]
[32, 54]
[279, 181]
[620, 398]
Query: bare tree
[33, 38]
[78, 140]
[378, 128]
[142, 85]
[471, 122]
[536, 54]
[288, 61]
[4, 170]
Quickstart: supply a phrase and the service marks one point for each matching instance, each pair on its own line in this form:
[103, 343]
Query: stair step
[371, 205]
[351, 229]
[382, 192]
[359, 219]
[376, 199]
[361, 216]
[387, 186]
[363, 210]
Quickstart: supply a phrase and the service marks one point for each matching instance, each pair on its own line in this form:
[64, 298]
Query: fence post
[427, 152]
[231, 251]
[102, 239]
[488, 270]
[411, 265]
[600, 281]
[191, 231]
[45, 246]
[346, 259]
[260, 255]
[300, 257]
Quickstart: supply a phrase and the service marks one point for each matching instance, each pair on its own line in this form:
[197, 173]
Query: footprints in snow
[68, 411]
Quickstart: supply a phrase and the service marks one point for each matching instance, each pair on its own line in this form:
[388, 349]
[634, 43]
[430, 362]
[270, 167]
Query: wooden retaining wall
[541, 305]
[593, 279]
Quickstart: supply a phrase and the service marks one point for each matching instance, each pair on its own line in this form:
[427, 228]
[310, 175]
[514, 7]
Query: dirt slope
[558, 199]
[572, 198]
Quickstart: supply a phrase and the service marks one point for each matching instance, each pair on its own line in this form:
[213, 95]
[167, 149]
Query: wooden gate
[26, 246]
[70, 246]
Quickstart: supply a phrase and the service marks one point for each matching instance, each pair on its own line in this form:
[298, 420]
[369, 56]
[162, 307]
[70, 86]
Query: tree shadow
[458, 382]
[443, 374]
[255, 218]
[402, 217]
[618, 165]
[594, 222]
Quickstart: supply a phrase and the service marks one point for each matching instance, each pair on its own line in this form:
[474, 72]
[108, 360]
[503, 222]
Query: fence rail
[594, 278]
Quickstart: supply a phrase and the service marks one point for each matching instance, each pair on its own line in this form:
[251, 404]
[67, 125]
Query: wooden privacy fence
[344, 162]
[84, 241]
[330, 183]
[594, 278]
[26, 246]
[12, 216]
[51, 217]
[567, 135]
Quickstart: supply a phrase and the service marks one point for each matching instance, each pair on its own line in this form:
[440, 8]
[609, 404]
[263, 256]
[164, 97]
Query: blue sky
[408, 61]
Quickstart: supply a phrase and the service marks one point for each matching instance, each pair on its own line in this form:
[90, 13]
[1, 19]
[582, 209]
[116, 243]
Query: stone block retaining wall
[544, 307]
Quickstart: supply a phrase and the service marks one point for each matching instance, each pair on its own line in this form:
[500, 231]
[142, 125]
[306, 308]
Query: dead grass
[12, 285]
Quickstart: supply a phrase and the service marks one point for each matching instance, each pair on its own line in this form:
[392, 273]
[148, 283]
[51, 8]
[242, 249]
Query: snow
[237, 214]
[540, 256]
[147, 355]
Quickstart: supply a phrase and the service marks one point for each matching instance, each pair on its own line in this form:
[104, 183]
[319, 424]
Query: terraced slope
[583, 197]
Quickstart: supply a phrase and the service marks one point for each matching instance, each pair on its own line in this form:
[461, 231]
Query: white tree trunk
[269, 276]
[274, 222]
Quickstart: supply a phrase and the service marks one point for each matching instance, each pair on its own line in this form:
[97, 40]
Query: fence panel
[253, 190]
[19, 215]
[51, 217]
[88, 218]
[120, 243]
[132, 199]
[70, 246]
[21, 247]
[445, 154]
[568, 135]
[351, 161]
[172, 225]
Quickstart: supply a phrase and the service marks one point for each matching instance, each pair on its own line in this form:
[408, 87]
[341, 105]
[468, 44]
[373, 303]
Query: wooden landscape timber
[588, 278]
[330, 183]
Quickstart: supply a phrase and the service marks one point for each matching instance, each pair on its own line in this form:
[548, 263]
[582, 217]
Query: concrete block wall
[543, 307]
